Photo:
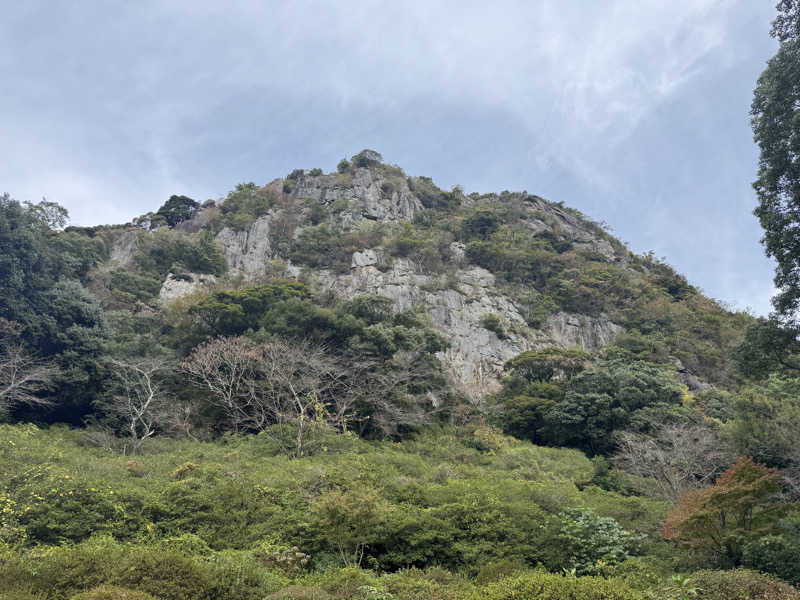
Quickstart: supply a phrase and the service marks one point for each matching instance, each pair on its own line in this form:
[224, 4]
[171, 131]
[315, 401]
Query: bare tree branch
[23, 376]
[141, 401]
[227, 367]
[680, 458]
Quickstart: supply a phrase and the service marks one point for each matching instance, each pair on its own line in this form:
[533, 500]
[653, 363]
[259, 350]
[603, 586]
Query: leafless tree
[301, 382]
[228, 368]
[141, 399]
[23, 375]
[678, 459]
[388, 389]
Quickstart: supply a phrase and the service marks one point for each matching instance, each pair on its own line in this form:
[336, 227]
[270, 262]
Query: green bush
[167, 250]
[544, 586]
[741, 585]
[493, 323]
[778, 554]
[246, 203]
[110, 592]
[588, 543]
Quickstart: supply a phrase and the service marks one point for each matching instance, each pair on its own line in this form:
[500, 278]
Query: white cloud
[110, 108]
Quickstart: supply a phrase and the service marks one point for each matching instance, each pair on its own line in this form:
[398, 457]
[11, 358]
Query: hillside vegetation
[356, 385]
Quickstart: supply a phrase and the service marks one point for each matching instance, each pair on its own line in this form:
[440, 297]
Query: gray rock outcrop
[588, 333]
[247, 251]
[476, 355]
[175, 287]
[125, 247]
[364, 194]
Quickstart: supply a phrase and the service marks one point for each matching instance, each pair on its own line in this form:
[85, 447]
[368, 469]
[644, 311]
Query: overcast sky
[633, 111]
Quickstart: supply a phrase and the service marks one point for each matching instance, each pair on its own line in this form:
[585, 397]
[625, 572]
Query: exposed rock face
[125, 247]
[364, 259]
[180, 286]
[367, 195]
[476, 355]
[568, 227]
[589, 333]
[457, 307]
[247, 251]
[689, 379]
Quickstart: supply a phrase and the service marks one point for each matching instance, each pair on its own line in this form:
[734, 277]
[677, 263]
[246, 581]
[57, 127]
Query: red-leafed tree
[743, 504]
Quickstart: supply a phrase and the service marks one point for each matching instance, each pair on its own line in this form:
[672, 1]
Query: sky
[635, 112]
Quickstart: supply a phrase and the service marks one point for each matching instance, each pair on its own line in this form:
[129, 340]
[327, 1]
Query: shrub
[589, 543]
[246, 203]
[367, 158]
[493, 323]
[109, 592]
[778, 554]
[741, 585]
[742, 505]
[545, 586]
[300, 592]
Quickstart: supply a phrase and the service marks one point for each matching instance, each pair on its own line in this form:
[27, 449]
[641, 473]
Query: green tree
[769, 346]
[776, 128]
[613, 396]
[545, 365]
[178, 209]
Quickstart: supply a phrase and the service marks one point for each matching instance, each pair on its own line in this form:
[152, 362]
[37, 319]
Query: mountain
[496, 274]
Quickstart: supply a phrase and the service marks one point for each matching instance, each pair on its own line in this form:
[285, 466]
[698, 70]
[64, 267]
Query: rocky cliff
[460, 298]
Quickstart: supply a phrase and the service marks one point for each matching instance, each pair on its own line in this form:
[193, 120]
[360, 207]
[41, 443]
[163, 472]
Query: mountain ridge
[498, 274]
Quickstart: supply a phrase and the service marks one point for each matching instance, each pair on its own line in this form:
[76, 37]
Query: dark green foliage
[167, 251]
[315, 172]
[534, 263]
[768, 347]
[431, 196]
[545, 365]
[766, 422]
[39, 288]
[550, 399]
[178, 209]
[33, 257]
[777, 132]
[367, 158]
[246, 203]
[343, 166]
[232, 312]
[109, 592]
[588, 543]
[323, 246]
[777, 553]
[480, 225]
[536, 307]
[493, 323]
[613, 396]
[127, 287]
